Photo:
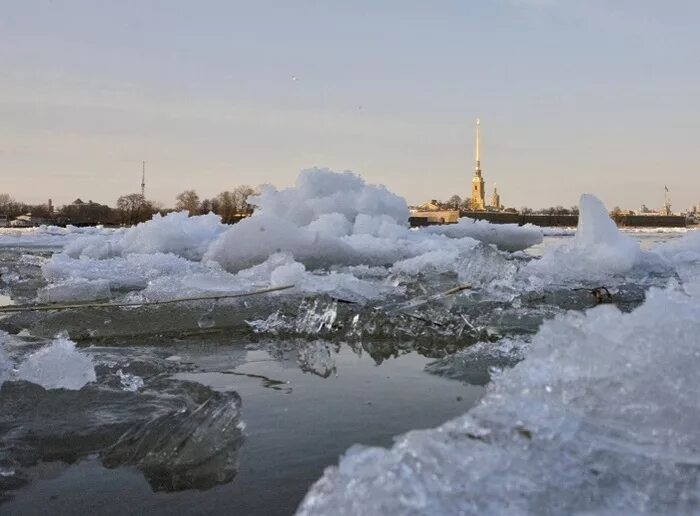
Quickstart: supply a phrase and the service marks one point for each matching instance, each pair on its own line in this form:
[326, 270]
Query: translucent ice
[185, 449]
[58, 366]
[317, 357]
[75, 290]
[130, 382]
[600, 418]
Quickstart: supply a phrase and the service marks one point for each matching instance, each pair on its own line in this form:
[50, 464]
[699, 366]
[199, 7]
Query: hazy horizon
[573, 96]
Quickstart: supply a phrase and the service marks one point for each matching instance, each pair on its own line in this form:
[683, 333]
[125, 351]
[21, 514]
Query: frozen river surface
[539, 391]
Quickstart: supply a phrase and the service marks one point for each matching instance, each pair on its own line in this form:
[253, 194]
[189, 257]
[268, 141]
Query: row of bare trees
[133, 208]
[229, 205]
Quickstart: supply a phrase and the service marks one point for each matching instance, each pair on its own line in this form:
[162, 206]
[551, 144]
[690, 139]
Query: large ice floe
[601, 417]
[323, 235]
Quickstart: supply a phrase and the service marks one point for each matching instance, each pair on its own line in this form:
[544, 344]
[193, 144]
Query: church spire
[477, 148]
[478, 201]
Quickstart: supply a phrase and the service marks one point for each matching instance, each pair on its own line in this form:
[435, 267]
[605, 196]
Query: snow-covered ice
[324, 227]
[601, 417]
[507, 237]
[598, 250]
[47, 236]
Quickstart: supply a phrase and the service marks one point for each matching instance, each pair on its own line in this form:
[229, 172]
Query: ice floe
[507, 237]
[600, 417]
[326, 227]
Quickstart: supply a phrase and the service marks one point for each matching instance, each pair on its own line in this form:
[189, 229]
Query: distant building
[433, 213]
[27, 221]
[496, 199]
[666, 210]
[478, 201]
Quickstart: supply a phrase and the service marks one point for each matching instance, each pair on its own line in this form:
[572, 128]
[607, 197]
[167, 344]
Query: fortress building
[478, 201]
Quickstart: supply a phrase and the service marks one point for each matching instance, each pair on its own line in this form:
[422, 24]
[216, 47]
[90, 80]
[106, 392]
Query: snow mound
[252, 240]
[58, 366]
[600, 418]
[321, 192]
[599, 249]
[327, 225]
[176, 233]
[507, 237]
[315, 221]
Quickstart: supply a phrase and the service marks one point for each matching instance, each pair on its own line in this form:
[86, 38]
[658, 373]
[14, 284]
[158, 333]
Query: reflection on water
[183, 428]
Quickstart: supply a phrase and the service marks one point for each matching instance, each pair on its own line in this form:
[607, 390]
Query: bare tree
[134, 208]
[240, 196]
[227, 207]
[205, 206]
[188, 201]
[454, 201]
[467, 204]
[5, 202]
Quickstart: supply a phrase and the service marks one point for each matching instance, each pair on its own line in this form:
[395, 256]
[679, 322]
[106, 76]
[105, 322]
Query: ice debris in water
[475, 364]
[600, 418]
[323, 235]
[185, 449]
[129, 382]
[58, 366]
[317, 358]
[75, 290]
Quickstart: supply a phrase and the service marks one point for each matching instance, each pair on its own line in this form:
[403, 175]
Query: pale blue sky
[574, 95]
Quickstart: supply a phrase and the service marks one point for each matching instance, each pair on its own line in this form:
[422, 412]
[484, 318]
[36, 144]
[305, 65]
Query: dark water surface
[296, 424]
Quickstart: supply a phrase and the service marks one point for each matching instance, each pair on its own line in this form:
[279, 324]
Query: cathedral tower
[477, 195]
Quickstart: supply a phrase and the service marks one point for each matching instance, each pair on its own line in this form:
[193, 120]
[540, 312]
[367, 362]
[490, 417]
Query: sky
[597, 96]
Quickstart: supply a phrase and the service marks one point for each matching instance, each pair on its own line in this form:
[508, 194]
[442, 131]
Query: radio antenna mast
[143, 179]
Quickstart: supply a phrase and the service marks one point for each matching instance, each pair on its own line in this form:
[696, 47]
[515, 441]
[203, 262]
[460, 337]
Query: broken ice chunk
[58, 366]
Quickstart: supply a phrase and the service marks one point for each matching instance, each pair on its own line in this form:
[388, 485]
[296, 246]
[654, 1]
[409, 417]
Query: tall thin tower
[143, 179]
[477, 196]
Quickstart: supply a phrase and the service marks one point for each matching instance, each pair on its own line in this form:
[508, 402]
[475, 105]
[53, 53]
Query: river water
[303, 402]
